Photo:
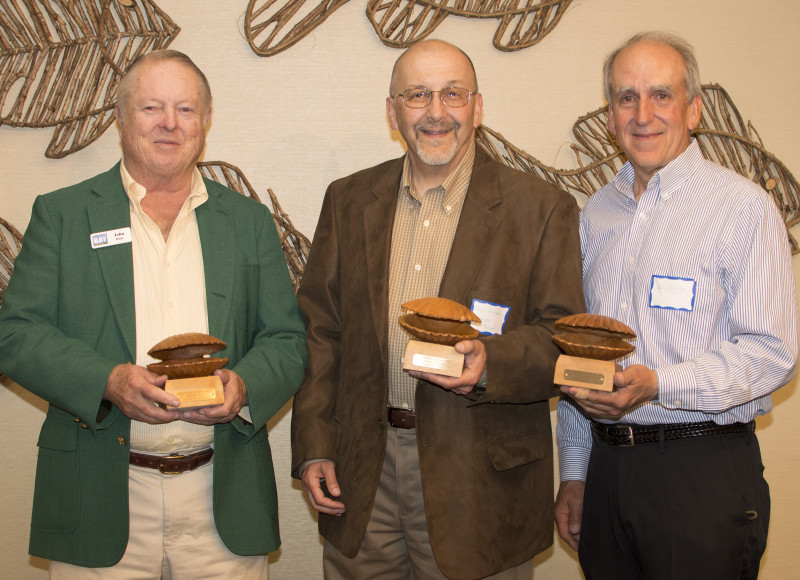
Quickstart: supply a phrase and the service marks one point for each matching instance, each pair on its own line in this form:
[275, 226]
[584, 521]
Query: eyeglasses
[450, 96]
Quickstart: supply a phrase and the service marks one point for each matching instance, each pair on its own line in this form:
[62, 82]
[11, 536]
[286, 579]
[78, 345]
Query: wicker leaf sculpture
[61, 61]
[10, 243]
[295, 245]
[272, 26]
[722, 136]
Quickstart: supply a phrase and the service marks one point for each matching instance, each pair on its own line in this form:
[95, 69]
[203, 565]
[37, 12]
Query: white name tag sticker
[672, 293]
[493, 316]
[110, 238]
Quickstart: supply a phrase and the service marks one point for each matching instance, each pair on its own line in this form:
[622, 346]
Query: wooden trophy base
[428, 357]
[587, 373]
[196, 392]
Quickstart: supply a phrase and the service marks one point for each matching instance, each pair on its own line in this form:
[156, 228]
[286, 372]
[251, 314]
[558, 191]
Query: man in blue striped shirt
[662, 478]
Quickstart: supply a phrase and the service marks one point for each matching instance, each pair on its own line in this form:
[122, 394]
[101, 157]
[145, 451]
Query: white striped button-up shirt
[724, 336]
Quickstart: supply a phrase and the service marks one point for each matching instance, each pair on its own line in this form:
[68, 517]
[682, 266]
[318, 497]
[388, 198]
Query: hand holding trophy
[591, 343]
[185, 359]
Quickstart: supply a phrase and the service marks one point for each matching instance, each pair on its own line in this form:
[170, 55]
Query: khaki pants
[396, 545]
[172, 534]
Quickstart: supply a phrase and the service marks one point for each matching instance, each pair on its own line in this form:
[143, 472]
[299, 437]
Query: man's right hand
[136, 390]
[314, 475]
[569, 511]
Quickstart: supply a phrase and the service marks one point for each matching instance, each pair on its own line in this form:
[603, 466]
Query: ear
[478, 117]
[695, 112]
[391, 103]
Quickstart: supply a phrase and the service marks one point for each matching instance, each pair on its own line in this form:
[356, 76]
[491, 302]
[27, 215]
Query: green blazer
[68, 318]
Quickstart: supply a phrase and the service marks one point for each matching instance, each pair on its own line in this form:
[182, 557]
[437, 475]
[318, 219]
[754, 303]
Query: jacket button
[84, 426]
[121, 440]
[77, 419]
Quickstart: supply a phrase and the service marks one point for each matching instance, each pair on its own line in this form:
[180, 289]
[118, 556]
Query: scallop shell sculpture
[593, 336]
[438, 320]
[187, 355]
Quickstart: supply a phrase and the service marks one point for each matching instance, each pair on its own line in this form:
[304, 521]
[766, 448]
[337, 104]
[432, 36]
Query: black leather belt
[630, 435]
[172, 464]
[402, 418]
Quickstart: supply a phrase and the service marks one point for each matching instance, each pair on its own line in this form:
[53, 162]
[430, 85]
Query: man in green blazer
[110, 266]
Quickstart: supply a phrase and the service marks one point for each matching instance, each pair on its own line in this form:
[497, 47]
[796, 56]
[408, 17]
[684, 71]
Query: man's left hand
[635, 385]
[474, 362]
[235, 398]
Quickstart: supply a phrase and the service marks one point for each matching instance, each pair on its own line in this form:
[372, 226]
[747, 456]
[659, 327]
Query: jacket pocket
[516, 451]
[56, 500]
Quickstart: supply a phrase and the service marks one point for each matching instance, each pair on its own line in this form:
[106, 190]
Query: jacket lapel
[110, 211]
[217, 230]
[476, 227]
[378, 222]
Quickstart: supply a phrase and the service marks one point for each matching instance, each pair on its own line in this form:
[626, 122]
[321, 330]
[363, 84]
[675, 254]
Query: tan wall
[298, 120]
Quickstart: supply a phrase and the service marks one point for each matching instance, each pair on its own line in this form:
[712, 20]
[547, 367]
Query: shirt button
[448, 208]
[677, 403]
[418, 267]
[426, 223]
[624, 305]
[643, 217]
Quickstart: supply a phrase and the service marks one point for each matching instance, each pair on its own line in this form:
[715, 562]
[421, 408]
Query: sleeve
[65, 371]
[319, 297]
[273, 367]
[574, 436]
[521, 362]
[761, 311]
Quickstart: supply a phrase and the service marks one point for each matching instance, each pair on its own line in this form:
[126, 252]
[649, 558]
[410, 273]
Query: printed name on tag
[110, 238]
[673, 293]
[493, 316]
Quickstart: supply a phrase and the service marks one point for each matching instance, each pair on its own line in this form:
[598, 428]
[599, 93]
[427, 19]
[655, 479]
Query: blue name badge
[672, 293]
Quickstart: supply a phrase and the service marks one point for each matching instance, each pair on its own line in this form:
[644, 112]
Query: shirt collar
[454, 186]
[669, 179]
[136, 191]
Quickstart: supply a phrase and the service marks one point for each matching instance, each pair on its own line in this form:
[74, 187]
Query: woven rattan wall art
[722, 136]
[272, 26]
[10, 243]
[295, 244]
[61, 61]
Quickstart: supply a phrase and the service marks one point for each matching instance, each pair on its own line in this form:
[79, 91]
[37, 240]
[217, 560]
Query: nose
[436, 108]
[644, 111]
[168, 119]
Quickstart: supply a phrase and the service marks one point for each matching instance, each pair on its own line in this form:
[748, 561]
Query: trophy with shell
[436, 324]
[186, 360]
[591, 342]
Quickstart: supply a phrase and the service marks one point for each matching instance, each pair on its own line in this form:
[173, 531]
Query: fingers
[137, 392]
[322, 487]
[235, 394]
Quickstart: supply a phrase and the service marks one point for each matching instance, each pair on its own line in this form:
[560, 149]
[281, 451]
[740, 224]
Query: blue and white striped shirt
[727, 337]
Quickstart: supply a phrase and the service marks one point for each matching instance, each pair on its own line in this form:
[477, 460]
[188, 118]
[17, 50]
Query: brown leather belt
[630, 435]
[401, 418]
[172, 464]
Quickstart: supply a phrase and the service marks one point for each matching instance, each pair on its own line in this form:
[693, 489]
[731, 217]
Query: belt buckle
[631, 442]
[161, 464]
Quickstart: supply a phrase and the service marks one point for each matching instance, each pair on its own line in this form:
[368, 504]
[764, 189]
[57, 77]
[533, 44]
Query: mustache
[446, 125]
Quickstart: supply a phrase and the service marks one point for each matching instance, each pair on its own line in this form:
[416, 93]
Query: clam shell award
[187, 362]
[436, 324]
[591, 342]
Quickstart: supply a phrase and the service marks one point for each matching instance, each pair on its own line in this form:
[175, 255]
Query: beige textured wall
[298, 120]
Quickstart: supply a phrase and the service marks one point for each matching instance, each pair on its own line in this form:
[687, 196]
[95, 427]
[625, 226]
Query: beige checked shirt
[424, 227]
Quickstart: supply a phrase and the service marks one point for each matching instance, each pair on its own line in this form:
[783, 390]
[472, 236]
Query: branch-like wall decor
[272, 26]
[722, 135]
[295, 245]
[10, 243]
[61, 61]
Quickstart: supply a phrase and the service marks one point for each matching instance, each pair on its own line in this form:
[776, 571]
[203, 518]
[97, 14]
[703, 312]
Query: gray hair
[126, 84]
[691, 74]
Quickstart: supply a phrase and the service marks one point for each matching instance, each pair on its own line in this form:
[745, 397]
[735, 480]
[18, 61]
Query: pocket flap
[515, 451]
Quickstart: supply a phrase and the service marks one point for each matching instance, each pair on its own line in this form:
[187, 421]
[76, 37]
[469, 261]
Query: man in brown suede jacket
[429, 476]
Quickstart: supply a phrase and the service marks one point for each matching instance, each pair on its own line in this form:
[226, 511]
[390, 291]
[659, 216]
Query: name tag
[110, 238]
[493, 316]
[673, 293]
